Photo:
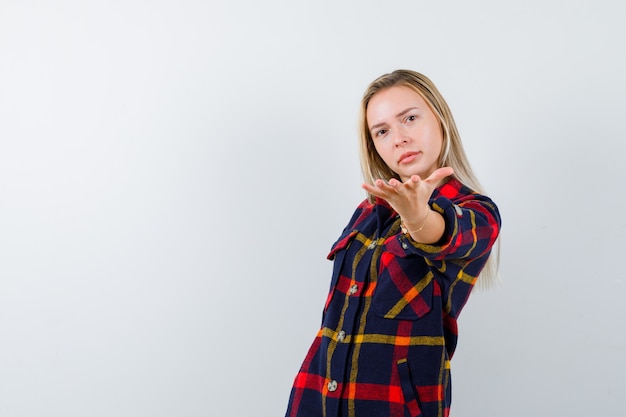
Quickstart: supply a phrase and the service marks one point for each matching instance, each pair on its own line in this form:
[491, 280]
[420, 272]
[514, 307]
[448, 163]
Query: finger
[387, 187]
[373, 190]
[414, 180]
[411, 184]
[440, 174]
[394, 183]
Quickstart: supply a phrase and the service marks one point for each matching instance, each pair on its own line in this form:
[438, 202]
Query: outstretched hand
[410, 198]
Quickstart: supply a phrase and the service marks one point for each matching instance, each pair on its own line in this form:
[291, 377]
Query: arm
[456, 224]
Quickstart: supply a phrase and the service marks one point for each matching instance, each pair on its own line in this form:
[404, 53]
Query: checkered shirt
[389, 325]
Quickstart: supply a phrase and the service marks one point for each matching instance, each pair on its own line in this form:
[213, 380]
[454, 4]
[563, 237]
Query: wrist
[411, 228]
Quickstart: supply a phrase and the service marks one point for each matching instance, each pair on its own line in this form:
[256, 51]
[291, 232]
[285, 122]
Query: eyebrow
[402, 113]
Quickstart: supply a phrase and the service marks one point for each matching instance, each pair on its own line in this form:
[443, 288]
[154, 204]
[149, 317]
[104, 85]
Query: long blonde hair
[452, 152]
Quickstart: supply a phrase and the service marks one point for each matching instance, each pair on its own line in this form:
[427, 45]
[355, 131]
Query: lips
[407, 157]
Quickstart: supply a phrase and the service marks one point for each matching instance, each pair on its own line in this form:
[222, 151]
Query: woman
[404, 265]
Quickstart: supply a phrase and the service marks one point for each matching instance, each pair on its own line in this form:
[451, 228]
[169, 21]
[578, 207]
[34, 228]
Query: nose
[400, 138]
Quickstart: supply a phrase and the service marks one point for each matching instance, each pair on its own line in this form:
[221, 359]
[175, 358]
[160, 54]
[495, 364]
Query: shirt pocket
[337, 254]
[404, 289]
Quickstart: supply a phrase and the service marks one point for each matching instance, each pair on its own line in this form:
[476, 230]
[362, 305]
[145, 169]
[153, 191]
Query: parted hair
[452, 152]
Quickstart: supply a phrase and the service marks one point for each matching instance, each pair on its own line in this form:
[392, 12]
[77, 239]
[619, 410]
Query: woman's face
[406, 133]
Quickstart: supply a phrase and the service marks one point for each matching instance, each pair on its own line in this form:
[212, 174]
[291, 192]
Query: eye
[411, 118]
[380, 132]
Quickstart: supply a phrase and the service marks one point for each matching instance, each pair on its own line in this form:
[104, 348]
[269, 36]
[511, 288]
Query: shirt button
[341, 336]
[458, 210]
[405, 246]
[353, 289]
[332, 386]
[372, 245]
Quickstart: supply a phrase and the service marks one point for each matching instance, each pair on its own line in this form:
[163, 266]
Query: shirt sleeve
[472, 225]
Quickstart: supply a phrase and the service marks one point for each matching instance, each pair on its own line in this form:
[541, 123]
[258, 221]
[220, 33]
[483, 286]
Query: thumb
[440, 174]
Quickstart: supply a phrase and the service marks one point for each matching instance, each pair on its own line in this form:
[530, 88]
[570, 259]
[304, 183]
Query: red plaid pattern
[389, 325]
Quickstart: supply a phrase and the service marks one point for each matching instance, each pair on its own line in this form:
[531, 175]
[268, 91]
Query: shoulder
[457, 192]
[362, 212]
[455, 195]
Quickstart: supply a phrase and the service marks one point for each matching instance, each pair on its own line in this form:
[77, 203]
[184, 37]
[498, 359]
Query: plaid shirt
[389, 325]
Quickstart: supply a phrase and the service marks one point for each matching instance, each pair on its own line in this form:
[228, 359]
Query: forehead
[390, 101]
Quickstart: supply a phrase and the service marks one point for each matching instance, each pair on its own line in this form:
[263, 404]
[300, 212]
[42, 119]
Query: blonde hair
[452, 152]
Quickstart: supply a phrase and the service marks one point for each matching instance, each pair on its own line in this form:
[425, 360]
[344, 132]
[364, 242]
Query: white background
[173, 173]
